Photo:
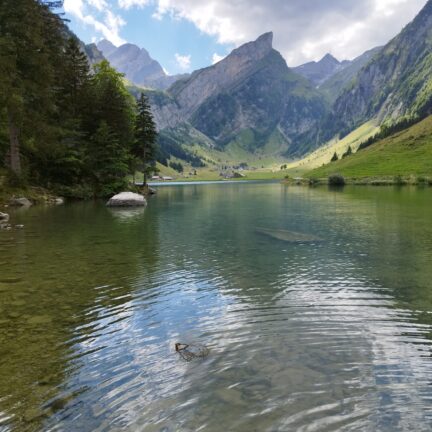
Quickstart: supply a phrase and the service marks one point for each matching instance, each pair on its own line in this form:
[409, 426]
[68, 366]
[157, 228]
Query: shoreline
[397, 180]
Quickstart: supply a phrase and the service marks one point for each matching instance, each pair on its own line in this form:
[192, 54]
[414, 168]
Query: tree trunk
[15, 159]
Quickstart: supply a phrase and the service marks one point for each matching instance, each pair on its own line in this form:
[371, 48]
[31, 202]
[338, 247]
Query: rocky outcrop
[251, 98]
[396, 82]
[127, 199]
[137, 65]
[336, 84]
[20, 202]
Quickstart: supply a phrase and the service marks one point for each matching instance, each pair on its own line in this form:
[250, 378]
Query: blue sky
[184, 35]
[166, 38]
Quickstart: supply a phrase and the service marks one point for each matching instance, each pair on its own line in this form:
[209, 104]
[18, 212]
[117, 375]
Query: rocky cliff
[396, 82]
[250, 97]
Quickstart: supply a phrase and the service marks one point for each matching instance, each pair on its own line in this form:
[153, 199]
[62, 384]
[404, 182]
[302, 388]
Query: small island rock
[127, 199]
[20, 202]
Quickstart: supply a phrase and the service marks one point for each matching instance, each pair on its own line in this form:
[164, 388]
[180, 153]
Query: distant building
[166, 178]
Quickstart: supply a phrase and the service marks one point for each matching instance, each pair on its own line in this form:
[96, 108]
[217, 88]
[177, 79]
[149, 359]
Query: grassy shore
[405, 157]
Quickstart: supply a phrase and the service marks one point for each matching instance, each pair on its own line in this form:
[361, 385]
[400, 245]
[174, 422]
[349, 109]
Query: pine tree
[108, 161]
[347, 153]
[334, 158]
[145, 137]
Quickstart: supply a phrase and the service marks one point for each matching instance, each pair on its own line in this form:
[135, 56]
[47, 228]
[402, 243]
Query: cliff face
[251, 96]
[396, 82]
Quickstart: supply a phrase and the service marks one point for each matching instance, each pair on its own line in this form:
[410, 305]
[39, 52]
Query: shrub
[398, 180]
[334, 158]
[336, 180]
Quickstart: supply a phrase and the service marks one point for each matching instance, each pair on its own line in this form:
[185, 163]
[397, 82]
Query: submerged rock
[189, 352]
[127, 199]
[289, 236]
[20, 202]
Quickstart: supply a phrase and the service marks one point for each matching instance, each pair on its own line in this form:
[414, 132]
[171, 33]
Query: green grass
[403, 154]
[323, 155]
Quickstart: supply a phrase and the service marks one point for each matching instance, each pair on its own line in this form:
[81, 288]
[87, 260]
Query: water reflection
[313, 336]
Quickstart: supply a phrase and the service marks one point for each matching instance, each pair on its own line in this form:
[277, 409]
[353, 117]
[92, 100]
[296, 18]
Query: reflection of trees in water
[60, 277]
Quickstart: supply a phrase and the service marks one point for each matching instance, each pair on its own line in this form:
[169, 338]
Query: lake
[315, 304]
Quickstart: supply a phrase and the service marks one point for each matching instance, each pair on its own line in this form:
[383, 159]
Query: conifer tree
[145, 137]
[334, 158]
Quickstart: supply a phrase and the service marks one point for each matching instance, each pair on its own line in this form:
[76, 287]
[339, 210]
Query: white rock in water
[4, 217]
[127, 199]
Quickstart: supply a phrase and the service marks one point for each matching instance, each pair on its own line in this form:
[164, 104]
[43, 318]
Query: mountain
[319, 72]
[250, 99]
[396, 83]
[93, 53]
[137, 65]
[335, 84]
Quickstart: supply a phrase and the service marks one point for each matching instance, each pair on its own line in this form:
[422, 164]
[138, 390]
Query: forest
[65, 125]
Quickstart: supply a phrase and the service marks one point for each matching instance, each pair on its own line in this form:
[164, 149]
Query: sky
[185, 35]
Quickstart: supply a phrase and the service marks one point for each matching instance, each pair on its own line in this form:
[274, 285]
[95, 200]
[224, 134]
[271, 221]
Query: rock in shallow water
[4, 217]
[127, 199]
[289, 236]
[20, 202]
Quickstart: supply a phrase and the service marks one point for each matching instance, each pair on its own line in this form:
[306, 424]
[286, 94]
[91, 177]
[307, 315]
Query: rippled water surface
[327, 332]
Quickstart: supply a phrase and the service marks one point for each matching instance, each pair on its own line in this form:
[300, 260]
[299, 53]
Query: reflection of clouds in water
[128, 357]
[127, 214]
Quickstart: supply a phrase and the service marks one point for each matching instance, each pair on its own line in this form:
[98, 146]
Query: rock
[59, 201]
[4, 217]
[289, 236]
[127, 199]
[20, 202]
[152, 191]
[19, 226]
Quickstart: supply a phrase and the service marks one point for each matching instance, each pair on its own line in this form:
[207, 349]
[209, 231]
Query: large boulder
[20, 202]
[127, 199]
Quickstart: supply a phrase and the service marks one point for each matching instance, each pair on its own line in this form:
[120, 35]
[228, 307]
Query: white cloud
[217, 58]
[303, 30]
[109, 25]
[183, 61]
[127, 4]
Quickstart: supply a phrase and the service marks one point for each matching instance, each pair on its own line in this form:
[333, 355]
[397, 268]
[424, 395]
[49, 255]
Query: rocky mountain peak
[257, 49]
[329, 59]
[106, 47]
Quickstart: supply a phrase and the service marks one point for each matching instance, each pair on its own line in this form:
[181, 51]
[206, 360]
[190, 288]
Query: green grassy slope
[405, 153]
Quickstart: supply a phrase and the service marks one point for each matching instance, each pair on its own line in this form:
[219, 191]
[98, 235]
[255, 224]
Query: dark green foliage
[62, 125]
[108, 161]
[349, 152]
[176, 166]
[336, 180]
[334, 158]
[169, 146]
[144, 147]
[388, 130]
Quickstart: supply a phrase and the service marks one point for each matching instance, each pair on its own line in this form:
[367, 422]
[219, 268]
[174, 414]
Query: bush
[398, 180]
[336, 180]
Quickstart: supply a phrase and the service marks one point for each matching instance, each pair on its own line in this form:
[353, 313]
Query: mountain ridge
[137, 65]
